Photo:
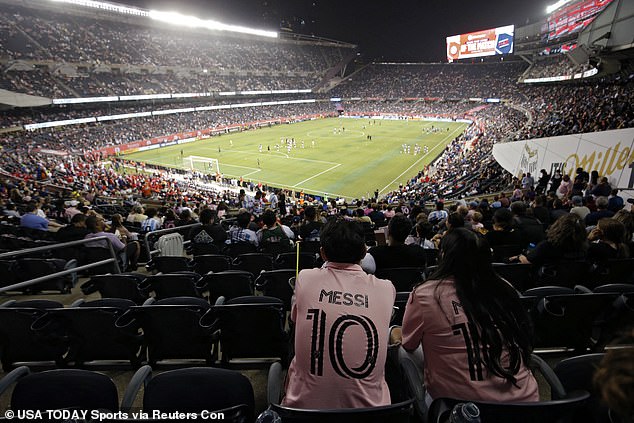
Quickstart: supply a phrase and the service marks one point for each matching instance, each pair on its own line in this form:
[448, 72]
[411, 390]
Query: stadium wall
[611, 153]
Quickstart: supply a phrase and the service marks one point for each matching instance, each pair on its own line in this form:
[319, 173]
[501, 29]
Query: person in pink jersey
[341, 316]
[475, 334]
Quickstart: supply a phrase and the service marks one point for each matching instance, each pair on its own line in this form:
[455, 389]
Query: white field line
[419, 160]
[318, 174]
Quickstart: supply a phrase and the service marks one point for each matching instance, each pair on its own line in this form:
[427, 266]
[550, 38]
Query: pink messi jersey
[342, 318]
[434, 317]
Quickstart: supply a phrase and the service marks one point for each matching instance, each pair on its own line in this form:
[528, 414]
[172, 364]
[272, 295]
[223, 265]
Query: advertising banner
[610, 153]
[487, 42]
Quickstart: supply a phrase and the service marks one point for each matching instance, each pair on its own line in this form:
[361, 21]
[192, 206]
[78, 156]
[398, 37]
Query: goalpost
[202, 164]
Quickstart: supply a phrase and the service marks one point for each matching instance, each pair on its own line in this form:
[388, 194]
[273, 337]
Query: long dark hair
[491, 304]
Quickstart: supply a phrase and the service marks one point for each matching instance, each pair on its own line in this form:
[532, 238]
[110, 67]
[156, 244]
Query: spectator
[208, 238]
[579, 208]
[152, 222]
[396, 253]
[602, 211]
[334, 367]
[31, 219]
[75, 231]
[239, 232]
[473, 330]
[607, 241]
[311, 226]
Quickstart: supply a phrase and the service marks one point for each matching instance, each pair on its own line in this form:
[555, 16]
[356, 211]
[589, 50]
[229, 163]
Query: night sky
[398, 30]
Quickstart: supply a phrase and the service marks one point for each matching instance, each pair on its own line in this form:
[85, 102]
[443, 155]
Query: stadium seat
[237, 248]
[403, 278]
[169, 264]
[395, 413]
[250, 330]
[576, 373]
[253, 263]
[229, 284]
[521, 276]
[32, 268]
[19, 342]
[277, 284]
[565, 273]
[501, 253]
[193, 390]
[613, 271]
[123, 285]
[171, 329]
[206, 263]
[289, 261]
[399, 308]
[172, 285]
[70, 389]
[89, 331]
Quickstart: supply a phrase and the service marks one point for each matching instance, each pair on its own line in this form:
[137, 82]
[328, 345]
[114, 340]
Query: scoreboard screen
[487, 42]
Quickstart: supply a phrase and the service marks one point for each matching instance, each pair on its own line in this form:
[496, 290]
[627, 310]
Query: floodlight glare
[106, 6]
[176, 18]
[556, 6]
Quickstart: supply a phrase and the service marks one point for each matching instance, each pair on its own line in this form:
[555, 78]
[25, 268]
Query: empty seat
[250, 328]
[290, 261]
[32, 268]
[194, 390]
[123, 285]
[206, 263]
[61, 389]
[19, 342]
[403, 278]
[277, 284]
[169, 264]
[229, 284]
[172, 285]
[253, 263]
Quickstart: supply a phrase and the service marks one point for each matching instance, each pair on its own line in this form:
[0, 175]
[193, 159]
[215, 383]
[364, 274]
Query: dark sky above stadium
[400, 30]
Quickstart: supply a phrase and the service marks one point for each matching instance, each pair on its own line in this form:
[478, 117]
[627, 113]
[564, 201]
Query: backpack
[170, 245]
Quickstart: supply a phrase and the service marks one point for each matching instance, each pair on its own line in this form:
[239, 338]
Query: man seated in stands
[240, 233]
[503, 232]
[274, 232]
[75, 231]
[396, 253]
[310, 227]
[602, 211]
[32, 220]
[531, 229]
[96, 226]
[152, 223]
[208, 237]
[341, 317]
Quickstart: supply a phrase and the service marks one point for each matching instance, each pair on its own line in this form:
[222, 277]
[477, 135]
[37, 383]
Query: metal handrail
[13, 254]
[161, 232]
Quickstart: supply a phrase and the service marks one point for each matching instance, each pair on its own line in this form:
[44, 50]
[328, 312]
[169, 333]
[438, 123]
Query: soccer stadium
[307, 219]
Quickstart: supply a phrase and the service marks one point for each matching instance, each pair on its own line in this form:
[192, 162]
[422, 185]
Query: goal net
[202, 164]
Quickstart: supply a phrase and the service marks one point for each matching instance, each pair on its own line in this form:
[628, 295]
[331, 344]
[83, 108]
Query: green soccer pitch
[342, 162]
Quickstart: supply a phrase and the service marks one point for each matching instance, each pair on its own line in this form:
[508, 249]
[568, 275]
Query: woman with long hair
[130, 239]
[607, 240]
[565, 240]
[475, 334]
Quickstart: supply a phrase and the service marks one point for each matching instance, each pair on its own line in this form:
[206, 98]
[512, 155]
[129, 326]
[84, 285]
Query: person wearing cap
[579, 208]
[71, 210]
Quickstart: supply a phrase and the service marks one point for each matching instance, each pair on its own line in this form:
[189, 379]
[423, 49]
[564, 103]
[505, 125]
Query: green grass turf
[344, 164]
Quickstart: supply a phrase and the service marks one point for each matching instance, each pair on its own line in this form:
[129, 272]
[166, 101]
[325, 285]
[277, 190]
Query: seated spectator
[602, 211]
[472, 328]
[96, 228]
[579, 208]
[136, 215]
[530, 228]
[503, 233]
[210, 236]
[396, 253]
[75, 231]
[565, 240]
[240, 233]
[607, 241]
[438, 215]
[127, 238]
[603, 189]
[424, 234]
[152, 223]
[311, 226]
[342, 318]
[31, 219]
[615, 201]
[71, 210]
[10, 210]
[274, 234]
[185, 218]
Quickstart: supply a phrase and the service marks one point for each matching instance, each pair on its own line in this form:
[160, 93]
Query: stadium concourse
[68, 66]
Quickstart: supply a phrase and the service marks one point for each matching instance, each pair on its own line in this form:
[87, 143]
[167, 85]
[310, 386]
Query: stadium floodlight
[176, 18]
[107, 6]
[556, 6]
